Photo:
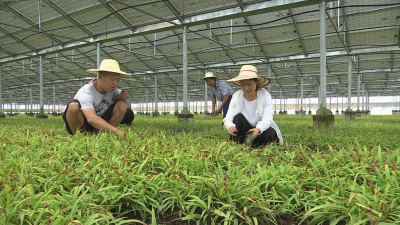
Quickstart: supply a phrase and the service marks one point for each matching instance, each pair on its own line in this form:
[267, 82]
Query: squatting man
[100, 105]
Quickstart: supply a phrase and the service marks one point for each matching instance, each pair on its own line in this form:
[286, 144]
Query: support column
[301, 94]
[309, 106]
[155, 113]
[337, 104]
[280, 102]
[322, 10]
[349, 113]
[342, 103]
[363, 99]
[54, 100]
[269, 76]
[195, 107]
[176, 101]
[31, 100]
[147, 102]
[358, 112]
[368, 111]
[41, 112]
[188, 102]
[98, 54]
[2, 115]
[11, 103]
[285, 105]
[301, 111]
[185, 115]
[324, 117]
[206, 99]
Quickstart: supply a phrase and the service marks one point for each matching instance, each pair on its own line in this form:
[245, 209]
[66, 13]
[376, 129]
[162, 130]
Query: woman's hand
[255, 131]
[232, 131]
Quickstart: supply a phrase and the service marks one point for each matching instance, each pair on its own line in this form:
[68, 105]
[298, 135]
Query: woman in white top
[250, 111]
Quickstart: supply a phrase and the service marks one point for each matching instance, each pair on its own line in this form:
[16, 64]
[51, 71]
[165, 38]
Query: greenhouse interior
[200, 112]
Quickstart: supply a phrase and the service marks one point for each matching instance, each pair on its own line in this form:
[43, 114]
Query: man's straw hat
[209, 75]
[248, 72]
[108, 65]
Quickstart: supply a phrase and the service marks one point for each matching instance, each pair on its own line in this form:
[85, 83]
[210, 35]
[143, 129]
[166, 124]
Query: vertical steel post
[358, 91]
[185, 78]
[176, 101]
[301, 95]
[205, 97]
[54, 98]
[280, 100]
[337, 102]
[349, 84]
[147, 100]
[31, 98]
[323, 52]
[41, 84]
[155, 95]
[269, 76]
[363, 97]
[98, 54]
[1, 91]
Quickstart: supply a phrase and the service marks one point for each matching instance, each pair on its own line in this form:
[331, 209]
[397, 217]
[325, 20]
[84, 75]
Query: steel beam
[235, 12]
[30, 22]
[117, 14]
[62, 12]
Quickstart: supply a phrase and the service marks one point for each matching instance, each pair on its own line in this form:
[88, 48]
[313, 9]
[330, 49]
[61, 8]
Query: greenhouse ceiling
[146, 38]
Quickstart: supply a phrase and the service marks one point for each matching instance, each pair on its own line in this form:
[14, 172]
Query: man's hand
[120, 133]
[214, 113]
[219, 110]
[123, 96]
[232, 131]
[255, 131]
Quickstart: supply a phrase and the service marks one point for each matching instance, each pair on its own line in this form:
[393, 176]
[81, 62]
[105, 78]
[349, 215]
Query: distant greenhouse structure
[168, 45]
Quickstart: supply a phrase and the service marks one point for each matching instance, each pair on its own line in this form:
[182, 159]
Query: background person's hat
[108, 65]
[248, 72]
[209, 75]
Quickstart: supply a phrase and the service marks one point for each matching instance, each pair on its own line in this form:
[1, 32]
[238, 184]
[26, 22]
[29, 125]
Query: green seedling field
[166, 172]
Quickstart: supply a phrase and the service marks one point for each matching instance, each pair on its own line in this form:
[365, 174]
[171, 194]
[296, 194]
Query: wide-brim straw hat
[209, 75]
[108, 65]
[248, 72]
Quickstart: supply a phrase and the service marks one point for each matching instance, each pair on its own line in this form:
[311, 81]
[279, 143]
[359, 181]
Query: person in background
[221, 90]
[250, 115]
[100, 105]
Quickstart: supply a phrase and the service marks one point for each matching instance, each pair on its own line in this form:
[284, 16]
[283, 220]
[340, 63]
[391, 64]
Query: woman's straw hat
[108, 65]
[248, 72]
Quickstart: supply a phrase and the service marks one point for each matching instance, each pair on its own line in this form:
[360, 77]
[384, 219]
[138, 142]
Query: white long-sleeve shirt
[264, 108]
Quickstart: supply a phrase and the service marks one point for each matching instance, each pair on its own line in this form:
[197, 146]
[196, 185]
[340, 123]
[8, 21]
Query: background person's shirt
[90, 98]
[222, 88]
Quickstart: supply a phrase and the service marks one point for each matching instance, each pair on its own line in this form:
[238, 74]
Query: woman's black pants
[243, 126]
